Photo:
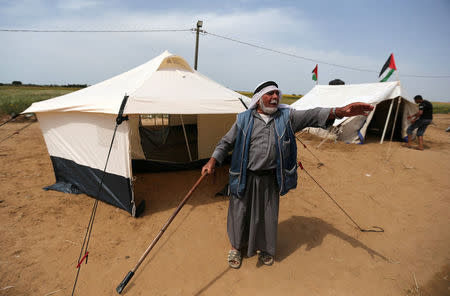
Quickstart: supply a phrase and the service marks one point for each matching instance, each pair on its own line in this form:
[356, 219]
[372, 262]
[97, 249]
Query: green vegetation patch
[286, 99]
[15, 99]
[441, 108]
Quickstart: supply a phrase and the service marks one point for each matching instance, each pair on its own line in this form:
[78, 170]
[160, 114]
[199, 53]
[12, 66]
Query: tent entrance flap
[165, 138]
[378, 122]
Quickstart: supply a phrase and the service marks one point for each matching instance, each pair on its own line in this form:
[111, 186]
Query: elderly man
[264, 166]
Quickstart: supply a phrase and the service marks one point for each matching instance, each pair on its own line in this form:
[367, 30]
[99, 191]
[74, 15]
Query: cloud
[76, 4]
[93, 57]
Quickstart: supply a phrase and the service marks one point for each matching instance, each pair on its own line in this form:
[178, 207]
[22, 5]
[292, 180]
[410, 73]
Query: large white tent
[78, 127]
[388, 118]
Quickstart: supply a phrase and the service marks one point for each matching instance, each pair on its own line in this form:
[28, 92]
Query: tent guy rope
[319, 164]
[131, 273]
[374, 228]
[84, 248]
[9, 120]
[16, 132]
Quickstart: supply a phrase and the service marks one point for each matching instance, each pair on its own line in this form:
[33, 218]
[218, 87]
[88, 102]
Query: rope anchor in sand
[374, 228]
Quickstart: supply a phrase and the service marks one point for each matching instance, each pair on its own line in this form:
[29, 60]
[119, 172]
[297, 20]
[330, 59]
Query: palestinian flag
[388, 68]
[314, 76]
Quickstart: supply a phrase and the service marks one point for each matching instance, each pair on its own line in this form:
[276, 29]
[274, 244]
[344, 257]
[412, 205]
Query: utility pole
[199, 25]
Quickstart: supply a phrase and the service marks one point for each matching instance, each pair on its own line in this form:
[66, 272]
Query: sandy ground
[320, 251]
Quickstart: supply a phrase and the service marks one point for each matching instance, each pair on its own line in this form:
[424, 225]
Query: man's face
[271, 100]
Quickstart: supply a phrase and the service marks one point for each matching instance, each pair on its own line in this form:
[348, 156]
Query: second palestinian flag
[314, 76]
[388, 68]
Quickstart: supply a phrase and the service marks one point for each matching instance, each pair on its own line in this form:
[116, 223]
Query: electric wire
[287, 54]
[218, 36]
[93, 31]
[315, 60]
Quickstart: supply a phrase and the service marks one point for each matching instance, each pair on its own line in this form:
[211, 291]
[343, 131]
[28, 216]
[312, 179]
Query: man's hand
[354, 109]
[412, 118]
[208, 168]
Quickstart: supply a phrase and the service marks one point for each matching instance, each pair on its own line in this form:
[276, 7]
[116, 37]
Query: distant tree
[15, 82]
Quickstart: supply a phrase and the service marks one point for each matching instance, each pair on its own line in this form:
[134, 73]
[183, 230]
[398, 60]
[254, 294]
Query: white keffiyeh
[257, 97]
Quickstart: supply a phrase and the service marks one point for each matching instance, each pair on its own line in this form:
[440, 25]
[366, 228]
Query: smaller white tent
[390, 113]
[77, 127]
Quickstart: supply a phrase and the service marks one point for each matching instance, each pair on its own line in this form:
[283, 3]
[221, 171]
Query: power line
[288, 54]
[93, 31]
[315, 60]
[218, 36]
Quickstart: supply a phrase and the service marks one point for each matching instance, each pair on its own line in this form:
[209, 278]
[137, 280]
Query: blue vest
[286, 148]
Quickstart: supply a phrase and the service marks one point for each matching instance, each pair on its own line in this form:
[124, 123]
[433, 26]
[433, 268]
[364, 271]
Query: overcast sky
[358, 34]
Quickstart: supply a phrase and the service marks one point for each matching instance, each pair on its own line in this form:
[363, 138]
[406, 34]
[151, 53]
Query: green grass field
[15, 99]
[286, 99]
[441, 108]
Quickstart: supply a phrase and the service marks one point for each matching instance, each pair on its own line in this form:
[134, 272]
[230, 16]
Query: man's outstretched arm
[323, 117]
[350, 110]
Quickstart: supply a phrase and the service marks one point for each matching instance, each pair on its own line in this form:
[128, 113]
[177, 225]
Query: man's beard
[267, 110]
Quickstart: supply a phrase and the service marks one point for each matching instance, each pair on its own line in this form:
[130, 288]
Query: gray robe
[253, 219]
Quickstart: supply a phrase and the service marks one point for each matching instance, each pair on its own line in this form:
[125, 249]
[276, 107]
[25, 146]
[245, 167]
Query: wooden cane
[130, 274]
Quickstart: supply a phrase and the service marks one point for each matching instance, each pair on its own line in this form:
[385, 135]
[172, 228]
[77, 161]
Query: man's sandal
[265, 258]
[234, 259]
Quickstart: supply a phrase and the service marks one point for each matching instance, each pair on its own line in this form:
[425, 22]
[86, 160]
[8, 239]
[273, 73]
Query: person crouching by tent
[264, 166]
[420, 120]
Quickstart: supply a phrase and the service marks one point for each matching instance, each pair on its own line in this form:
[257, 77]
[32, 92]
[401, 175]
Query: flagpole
[390, 63]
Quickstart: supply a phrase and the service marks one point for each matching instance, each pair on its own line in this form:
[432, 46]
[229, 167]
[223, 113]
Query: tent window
[163, 137]
[154, 120]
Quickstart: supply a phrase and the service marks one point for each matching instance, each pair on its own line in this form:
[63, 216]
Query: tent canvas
[78, 127]
[387, 97]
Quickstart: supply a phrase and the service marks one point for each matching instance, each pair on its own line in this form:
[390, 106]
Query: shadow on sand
[164, 191]
[310, 231]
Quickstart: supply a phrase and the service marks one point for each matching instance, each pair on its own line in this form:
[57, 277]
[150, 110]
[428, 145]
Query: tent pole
[185, 137]
[387, 121]
[395, 117]
[333, 131]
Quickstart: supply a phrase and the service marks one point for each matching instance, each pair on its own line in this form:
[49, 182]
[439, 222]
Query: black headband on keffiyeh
[263, 88]
[264, 84]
